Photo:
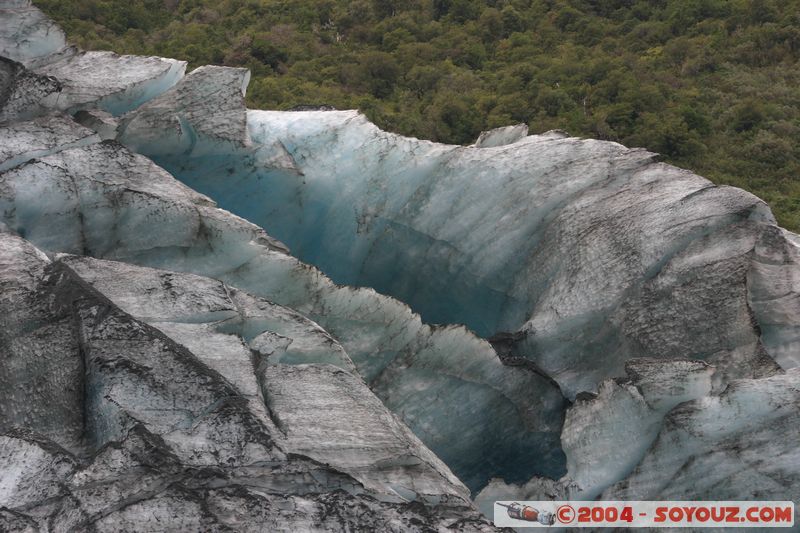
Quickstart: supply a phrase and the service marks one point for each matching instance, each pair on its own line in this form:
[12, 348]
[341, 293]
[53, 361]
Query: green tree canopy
[713, 85]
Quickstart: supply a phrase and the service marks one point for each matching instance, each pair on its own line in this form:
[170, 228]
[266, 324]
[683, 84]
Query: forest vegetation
[712, 85]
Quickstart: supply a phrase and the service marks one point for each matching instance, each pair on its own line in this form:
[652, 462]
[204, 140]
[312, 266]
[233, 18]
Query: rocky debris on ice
[152, 430]
[23, 93]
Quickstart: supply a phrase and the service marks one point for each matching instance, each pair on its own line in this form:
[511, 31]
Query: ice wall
[591, 252]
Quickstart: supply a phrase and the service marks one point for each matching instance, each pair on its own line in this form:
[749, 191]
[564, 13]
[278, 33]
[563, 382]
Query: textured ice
[502, 136]
[606, 436]
[774, 293]
[24, 93]
[174, 428]
[209, 115]
[27, 35]
[110, 81]
[663, 434]
[312, 405]
[167, 364]
[740, 444]
[101, 122]
[325, 413]
[102, 200]
[64, 78]
[40, 137]
[551, 237]
[214, 320]
[39, 368]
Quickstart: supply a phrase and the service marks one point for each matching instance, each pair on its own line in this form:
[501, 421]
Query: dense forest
[713, 85]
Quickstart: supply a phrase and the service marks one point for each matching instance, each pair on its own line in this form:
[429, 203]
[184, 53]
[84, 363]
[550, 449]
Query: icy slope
[481, 417]
[589, 250]
[165, 419]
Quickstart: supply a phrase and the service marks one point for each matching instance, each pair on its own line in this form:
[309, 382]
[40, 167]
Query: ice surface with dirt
[220, 318]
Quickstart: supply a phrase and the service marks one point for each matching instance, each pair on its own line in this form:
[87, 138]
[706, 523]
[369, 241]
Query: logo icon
[529, 514]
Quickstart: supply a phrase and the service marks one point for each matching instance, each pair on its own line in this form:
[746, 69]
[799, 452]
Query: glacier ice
[51, 75]
[27, 35]
[40, 372]
[739, 444]
[26, 94]
[102, 200]
[209, 116]
[181, 366]
[502, 136]
[606, 436]
[170, 430]
[41, 137]
[663, 434]
[110, 81]
[773, 289]
[222, 327]
[550, 237]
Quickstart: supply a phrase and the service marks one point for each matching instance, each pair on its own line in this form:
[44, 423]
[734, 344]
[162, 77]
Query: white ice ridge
[591, 252]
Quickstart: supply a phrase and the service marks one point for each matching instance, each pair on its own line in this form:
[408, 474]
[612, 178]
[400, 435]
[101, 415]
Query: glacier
[550, 237]
[215, 317]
